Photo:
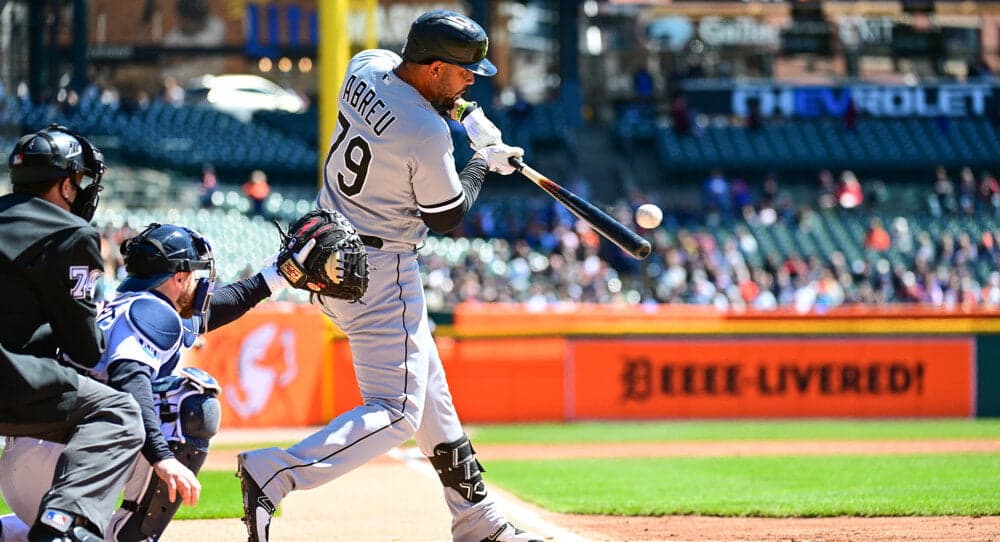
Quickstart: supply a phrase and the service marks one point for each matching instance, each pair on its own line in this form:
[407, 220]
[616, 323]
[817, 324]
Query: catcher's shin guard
[458, 468]
[152, 511]
[190, 416]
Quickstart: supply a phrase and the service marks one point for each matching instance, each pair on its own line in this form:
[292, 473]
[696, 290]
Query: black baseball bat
[601, 222]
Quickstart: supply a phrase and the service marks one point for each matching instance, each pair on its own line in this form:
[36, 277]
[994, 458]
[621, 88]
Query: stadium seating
[508, 265]
[179, 138]
[509, 242]
[303, 127]
[183, 138]
[822, 143]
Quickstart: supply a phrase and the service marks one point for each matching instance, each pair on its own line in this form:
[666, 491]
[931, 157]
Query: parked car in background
[242, 95]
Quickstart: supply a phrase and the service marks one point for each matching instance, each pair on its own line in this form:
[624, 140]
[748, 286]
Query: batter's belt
[388, 246]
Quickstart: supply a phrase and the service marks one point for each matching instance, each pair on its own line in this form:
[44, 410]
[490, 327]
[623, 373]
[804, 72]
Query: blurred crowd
[114, 264]
[532, 250]
[540, 254]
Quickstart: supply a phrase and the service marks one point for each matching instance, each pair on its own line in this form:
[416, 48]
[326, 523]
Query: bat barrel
[608, 227]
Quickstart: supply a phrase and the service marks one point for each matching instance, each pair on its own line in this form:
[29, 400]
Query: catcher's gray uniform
[390, 162]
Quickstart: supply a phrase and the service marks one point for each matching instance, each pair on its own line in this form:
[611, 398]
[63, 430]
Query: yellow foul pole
[333, 50]
[371, 25]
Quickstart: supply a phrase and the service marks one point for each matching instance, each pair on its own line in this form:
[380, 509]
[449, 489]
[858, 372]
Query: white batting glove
[481, 130]
[276, 282]
[498, 157]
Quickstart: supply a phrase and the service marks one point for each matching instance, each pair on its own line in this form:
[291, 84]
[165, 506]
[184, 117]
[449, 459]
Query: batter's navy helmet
[450, 37]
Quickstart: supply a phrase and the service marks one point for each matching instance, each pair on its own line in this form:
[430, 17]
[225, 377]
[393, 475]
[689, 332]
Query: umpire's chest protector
[35, 269]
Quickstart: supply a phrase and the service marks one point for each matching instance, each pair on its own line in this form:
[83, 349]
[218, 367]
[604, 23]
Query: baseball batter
[390, 170]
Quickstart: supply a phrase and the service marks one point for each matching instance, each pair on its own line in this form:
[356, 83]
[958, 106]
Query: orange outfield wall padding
[287, 365]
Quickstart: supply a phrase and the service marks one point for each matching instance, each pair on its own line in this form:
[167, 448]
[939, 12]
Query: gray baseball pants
[103, 435]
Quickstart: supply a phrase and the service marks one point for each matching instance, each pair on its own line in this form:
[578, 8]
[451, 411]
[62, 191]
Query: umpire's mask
[57, 152]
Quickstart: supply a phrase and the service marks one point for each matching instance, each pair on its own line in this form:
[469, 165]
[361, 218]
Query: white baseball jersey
[391, 156]
[390, 159]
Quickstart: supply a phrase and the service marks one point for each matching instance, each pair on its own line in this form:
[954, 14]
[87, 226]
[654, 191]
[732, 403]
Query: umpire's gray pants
[103, 435]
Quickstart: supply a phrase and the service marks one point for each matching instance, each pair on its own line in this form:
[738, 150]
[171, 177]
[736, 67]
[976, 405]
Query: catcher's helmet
[158, 252]
[450, 37]
[53, 153]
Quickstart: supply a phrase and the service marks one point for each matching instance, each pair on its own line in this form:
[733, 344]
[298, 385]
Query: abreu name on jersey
[367, 103]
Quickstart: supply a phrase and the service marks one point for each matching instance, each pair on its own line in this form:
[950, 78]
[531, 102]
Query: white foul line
[415, 460]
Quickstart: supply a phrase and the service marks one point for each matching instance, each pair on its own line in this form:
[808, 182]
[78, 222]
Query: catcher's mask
[161, 250]
[56, 152]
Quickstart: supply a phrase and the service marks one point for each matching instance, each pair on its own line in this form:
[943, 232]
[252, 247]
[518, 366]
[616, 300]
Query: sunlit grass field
[779, 486]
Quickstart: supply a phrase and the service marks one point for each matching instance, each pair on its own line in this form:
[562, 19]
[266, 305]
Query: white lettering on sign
[877, 101]
[855, 31]
[737, 31]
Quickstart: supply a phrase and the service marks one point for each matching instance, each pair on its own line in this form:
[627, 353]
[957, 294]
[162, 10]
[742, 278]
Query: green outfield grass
[220, 498]
[817, 486]
[673, 431]
[929, 484]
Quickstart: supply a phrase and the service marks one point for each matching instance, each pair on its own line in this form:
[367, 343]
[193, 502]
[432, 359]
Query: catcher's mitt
[337, 266]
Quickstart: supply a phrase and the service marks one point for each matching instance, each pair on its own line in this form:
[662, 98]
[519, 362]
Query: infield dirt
[392, 499]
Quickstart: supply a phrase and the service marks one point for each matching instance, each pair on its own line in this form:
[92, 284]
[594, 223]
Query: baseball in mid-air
[648, 216]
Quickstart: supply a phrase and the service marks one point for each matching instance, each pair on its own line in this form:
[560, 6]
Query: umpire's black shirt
[49, 262]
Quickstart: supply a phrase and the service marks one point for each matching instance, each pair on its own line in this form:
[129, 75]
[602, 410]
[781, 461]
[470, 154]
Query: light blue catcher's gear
[161, 250]
[190, 414]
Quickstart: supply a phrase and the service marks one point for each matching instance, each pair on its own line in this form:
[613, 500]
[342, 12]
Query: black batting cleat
[257, 508]
[509, 533]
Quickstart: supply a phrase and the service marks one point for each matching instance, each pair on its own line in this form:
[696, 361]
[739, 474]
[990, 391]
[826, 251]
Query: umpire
[50, 259]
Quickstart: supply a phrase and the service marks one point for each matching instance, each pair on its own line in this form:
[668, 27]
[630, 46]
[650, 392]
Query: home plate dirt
[397, 498]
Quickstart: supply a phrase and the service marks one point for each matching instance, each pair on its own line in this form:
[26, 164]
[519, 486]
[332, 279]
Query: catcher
[163, 305]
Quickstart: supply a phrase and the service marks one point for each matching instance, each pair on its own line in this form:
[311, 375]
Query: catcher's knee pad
[188, 408]
[190, 416]
[458, 468]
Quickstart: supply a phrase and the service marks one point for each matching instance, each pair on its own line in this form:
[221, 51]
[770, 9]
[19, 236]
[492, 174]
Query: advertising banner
[890, 101]
[779, 377]
[287, 365]
[271, 366]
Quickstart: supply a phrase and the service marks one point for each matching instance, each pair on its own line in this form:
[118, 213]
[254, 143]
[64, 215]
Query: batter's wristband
[462, 109]
[276, 282]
